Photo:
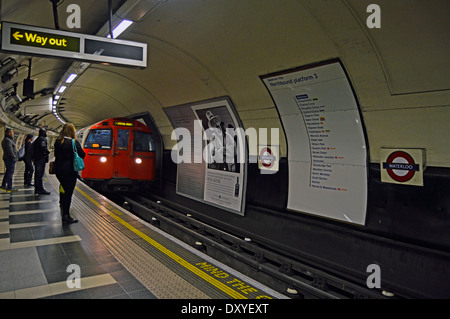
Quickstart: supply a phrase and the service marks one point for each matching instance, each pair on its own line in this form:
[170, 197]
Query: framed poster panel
[210, 153]
[327, 150]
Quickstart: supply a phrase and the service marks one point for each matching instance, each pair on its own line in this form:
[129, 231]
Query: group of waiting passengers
[37, 154]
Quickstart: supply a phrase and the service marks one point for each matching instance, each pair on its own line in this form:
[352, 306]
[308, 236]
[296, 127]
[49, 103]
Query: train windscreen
[143, 142]
[122, 139]
[98, 138]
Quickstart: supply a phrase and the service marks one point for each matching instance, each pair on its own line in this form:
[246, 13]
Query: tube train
[120, 155]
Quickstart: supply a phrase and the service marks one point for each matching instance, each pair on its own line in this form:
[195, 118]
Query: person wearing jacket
[10, 158]
[40, 157]
[28, 160]
[64, 171]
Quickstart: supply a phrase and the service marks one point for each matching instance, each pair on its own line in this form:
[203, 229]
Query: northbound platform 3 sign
[30, 40]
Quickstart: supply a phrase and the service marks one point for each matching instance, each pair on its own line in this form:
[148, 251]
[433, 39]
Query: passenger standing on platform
[40, 157]
[65, 173]
[10, 158]
[28, 160]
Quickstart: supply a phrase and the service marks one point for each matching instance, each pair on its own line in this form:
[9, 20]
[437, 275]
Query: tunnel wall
[406, 229]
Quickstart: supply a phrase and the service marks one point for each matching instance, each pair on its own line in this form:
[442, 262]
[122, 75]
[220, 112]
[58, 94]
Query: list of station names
[325, 137]
[324, 151]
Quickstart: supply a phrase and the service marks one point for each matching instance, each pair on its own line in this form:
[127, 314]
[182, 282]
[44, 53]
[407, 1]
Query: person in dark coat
[28, 160]
[64, 171]
[40, 157]
[10, 158]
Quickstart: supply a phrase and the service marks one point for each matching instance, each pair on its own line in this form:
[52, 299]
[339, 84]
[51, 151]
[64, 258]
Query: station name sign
[31, 40]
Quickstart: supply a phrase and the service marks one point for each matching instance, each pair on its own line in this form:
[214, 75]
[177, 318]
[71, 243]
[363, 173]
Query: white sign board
[327, 151]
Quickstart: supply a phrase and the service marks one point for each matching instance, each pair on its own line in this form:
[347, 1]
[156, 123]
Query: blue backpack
[78, 163]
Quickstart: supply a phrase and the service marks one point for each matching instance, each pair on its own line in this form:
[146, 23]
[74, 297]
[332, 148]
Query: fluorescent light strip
[71, 78]
[121, 27]
[62, 88]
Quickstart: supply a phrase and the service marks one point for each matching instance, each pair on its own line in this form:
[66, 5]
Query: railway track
[291, 277]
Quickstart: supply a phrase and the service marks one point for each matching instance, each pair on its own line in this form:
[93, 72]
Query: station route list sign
[210, 153]
[327, 151]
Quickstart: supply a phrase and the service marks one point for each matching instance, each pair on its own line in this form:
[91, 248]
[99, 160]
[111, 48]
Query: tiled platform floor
[36, 249]
[109, 253]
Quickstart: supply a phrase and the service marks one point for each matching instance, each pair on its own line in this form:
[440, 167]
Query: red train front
[120, 155]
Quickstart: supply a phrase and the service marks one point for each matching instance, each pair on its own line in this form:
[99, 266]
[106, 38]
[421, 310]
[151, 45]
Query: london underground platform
[109, 253]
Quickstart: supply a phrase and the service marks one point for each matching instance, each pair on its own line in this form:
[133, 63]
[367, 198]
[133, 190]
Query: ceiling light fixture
[71, 77]
[128, 10]
[121, 27]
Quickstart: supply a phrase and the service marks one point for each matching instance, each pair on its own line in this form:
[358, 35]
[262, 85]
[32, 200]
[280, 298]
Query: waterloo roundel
[400, 166]
[266, 157]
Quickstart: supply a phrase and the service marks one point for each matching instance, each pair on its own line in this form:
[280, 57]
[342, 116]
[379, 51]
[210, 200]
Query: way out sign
[32, 40]
[44, 40]
[402, 166]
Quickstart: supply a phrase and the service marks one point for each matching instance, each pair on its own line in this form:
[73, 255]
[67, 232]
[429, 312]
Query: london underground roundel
[267, 158]
[400, 166]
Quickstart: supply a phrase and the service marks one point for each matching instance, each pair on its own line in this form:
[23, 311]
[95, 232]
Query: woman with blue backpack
[65, 148]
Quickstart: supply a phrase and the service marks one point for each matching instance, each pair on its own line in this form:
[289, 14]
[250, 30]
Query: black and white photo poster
[210, 153]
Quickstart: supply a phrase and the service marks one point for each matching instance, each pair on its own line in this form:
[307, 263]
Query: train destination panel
[31, 40]
[326, 144]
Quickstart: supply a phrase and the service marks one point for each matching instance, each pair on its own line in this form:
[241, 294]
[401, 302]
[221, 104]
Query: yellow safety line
[170, 254]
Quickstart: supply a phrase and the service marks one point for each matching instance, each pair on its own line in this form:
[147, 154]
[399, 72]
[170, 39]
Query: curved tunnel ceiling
[199, 50]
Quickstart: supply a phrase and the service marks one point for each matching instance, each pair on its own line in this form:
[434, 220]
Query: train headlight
[138, 160]
[103, 159]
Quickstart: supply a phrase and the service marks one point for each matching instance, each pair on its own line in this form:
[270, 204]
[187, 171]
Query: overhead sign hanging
[31, 40]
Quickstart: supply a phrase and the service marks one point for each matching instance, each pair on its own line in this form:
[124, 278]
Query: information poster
[210, 153]
[327, 151]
